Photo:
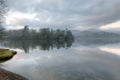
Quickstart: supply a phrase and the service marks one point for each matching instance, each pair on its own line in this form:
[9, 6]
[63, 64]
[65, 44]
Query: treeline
[41, 34]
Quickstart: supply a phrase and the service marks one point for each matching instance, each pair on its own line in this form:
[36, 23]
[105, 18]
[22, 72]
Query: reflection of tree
[26, 45]
[4, 60]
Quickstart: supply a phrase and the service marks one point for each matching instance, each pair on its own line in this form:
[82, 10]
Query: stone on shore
[7, 75]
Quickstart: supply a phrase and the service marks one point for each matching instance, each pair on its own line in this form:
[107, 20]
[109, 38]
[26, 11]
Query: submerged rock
[7, 75]
[6, 54]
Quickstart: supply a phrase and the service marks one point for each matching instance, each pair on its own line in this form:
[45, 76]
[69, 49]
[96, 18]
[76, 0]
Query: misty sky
[72, 14]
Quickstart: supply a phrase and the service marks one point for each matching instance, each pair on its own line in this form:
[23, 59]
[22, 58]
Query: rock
[7, 75]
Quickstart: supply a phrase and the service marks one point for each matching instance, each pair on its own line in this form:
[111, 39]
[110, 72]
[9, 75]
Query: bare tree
[3, 10]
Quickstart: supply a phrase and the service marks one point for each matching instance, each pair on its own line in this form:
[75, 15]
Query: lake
[59, 61]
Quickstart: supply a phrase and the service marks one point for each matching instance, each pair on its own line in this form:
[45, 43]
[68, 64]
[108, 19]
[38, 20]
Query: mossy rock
[6, 54]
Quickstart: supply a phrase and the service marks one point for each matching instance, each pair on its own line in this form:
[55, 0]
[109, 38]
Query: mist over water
[72, 60]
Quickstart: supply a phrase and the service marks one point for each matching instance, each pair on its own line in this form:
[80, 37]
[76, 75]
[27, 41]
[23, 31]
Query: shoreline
[7, 75]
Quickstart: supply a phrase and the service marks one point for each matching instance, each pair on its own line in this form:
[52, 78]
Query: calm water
[69, 61]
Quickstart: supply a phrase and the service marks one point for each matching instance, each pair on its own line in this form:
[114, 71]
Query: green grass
[6, 53]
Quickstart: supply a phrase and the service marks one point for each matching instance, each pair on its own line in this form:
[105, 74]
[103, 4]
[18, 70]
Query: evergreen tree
[25, 32]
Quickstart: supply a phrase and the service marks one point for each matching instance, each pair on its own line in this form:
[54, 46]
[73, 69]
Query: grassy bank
[6, 54]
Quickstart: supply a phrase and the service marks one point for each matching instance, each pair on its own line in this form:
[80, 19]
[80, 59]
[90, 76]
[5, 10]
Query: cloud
[18, 17]
[114, 25]
[85, 13]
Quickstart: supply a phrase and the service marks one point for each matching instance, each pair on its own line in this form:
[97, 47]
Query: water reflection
[78, 63]
[112, 48]
[26, 45]
[4, 60]
[83, 64]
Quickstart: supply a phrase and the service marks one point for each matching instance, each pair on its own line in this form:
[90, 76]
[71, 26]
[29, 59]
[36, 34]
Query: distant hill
[94, 34]
[116, 30]
[95, 37]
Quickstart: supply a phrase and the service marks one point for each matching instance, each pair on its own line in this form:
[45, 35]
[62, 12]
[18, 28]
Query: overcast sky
[73, 14]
